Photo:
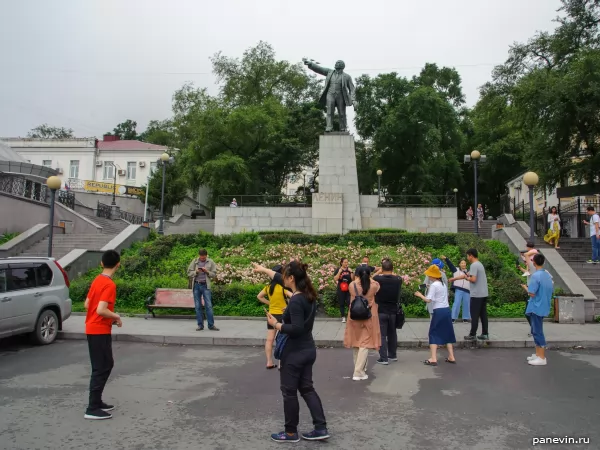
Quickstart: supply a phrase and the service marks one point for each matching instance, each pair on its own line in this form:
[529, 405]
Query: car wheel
[46, 328]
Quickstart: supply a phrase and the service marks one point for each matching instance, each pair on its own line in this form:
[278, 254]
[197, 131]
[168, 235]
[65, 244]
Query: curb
[259, 342]
[320, 319]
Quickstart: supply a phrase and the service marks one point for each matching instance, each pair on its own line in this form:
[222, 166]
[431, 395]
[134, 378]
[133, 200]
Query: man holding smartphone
[202, 269]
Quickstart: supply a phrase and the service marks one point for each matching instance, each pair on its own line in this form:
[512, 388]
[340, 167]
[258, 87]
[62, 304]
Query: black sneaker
[392, 359]
[200, 329]
[96, 414]
[453, 321]
[106, 407]
[382, 362]
[469, 338]
[484, 337]
[316, 435]
[285, 437]
[466, 320]
[213, 328]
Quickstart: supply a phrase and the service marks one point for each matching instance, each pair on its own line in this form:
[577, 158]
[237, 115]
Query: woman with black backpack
[298, 352]
[362, 331]
[343, 277]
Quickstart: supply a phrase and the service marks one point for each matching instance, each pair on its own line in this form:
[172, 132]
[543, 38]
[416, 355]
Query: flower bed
[162, 262]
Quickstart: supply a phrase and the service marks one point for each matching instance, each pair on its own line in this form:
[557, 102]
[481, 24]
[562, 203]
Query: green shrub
[162, 262]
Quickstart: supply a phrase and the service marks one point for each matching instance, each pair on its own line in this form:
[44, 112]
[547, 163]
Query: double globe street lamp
[53, 184]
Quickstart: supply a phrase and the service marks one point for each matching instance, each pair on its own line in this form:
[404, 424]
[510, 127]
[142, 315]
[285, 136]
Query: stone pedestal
[338, 175]
[115, 212]
[327, 213]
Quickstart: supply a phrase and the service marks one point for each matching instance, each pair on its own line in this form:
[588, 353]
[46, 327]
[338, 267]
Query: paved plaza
[172, 397]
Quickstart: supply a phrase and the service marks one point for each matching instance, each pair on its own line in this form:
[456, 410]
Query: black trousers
[479, 309]
[389, 338]
[296, 376]
[101, 357]
[343, 300]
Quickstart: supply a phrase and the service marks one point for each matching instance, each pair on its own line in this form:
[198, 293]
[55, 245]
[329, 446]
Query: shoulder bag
[282, 338]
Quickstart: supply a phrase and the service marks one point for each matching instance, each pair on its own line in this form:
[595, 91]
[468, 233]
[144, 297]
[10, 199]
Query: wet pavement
[198, 397]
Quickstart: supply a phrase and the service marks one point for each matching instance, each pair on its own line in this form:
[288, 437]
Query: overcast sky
[90, 64]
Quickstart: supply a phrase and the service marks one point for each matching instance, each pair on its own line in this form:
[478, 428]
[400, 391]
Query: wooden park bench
[170, 299]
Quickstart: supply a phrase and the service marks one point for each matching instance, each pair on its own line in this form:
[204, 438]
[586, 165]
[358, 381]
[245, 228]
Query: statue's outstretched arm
[316, 68]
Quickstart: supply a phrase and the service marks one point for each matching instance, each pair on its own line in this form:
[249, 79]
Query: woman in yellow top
[274, 296]
[553, 234]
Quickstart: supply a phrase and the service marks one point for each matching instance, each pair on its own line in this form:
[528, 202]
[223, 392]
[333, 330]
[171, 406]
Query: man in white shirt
[594, 224]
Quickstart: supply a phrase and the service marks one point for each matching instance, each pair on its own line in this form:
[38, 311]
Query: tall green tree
[175, 188]
[551, 84]
[46, 131]
[125, 130]
[263, 125]
[414, 129]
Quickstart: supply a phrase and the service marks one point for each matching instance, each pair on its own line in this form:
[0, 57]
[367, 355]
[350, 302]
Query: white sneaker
[537, 362]
[532, 357]
[343, 320]
[366, 377]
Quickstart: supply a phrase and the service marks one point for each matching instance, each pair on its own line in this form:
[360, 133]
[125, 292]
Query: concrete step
[63, 244]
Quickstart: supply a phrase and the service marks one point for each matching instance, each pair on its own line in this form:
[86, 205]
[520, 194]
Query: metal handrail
[131, 217]
[264, 200]
[423, 200]
[103, 211]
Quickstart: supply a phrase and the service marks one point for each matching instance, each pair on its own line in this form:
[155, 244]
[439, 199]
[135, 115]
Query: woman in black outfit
[299, 354]
[343, 277]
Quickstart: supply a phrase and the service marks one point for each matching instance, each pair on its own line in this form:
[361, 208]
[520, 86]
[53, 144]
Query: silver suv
[34, 298]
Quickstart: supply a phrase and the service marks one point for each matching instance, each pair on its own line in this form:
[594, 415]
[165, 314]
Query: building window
[47, 163]
[74, 169]
[131, 170]
[109, 170]
[153, 167]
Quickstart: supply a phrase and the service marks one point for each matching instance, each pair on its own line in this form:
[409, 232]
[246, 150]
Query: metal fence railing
[103, 211]
[423, 200]
[264, 200]
[132, 218]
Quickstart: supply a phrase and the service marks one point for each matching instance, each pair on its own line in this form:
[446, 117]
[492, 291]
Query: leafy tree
[160, 133]
[175, 188]
[46, 131]
[125, 130]
[551, 85]
[262, 126]
[414, 129]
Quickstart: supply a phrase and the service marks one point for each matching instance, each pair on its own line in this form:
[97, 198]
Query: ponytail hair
[299, 270]
[364, 274]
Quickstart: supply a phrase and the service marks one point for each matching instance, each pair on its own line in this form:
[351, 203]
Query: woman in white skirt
[441, 331]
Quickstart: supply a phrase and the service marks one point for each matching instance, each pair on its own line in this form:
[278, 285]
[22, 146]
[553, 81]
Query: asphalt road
[177, 397]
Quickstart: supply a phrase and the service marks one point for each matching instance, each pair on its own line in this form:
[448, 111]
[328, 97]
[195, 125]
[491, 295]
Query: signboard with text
[108, 188]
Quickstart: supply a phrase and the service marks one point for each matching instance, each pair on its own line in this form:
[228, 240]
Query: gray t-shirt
[479, 289]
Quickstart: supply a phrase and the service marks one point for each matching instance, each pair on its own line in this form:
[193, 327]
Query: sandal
[451, 362]
[429, 363]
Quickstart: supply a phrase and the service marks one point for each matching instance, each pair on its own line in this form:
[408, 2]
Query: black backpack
[359, 308]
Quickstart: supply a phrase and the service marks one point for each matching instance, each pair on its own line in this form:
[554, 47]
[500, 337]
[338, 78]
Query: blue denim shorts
[537, 330]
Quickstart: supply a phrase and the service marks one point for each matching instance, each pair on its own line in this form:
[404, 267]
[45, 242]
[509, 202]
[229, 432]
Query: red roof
[129, 145]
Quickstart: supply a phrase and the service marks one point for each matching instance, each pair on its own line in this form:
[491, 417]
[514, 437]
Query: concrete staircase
[191, 226]
[576, 252]
[64, 243]
[108, 226]
[468, 226]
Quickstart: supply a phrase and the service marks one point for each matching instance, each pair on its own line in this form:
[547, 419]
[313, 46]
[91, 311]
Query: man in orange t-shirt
[100, 306]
